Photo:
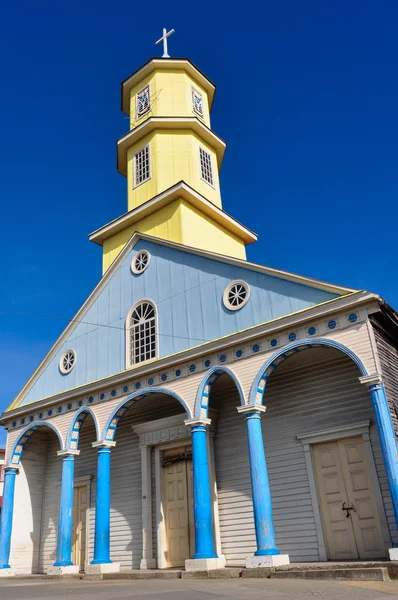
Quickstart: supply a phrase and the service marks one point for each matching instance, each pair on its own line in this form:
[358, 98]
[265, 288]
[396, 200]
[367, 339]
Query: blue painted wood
[64, 537]
[6, 517]
[187, 290]
[103, 508]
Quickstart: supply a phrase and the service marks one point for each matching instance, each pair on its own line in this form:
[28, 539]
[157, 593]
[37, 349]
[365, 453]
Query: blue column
[64, 539]
[262, 505]
[202, 502]
[103, 507]
[387, 440]
[6, 516]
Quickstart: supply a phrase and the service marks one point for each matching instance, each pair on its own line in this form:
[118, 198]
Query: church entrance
[79, 525]
[348, 505]
[178, 505]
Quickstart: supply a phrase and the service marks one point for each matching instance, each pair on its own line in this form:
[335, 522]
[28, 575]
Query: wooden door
[79, 526]
[177, 506]
[343, 480]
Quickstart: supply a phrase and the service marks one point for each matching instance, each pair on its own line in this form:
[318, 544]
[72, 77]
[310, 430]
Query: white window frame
[61, 361]
[211, 165]
[129, 364]
[133, 267]
[138, 117]
[228, 289]
[196, 91]
[147, 146]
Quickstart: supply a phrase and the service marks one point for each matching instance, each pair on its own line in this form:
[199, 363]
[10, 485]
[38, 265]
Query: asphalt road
[240, 589]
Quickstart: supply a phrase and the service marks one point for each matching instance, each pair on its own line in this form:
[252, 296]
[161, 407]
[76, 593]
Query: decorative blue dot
[207, 363]
[292, 336]
[178, 372]
[31, 419]
[312, 331]
[49, 412]
[22, 421]
[102, 396]
[163, 377]
[80, 403]
[256, 348]
[239, 353]
[59, 409]
[14, 423]
[90, 400]
[137, 385]
[332, 324]
[40, 415]
[352, 317]
[192, 368]
[150, 381]
[223, 358]
[113, 393]
[126, 388]
[274, 343]
[69, 406]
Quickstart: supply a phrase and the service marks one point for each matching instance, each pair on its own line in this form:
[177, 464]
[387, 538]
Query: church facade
[200, 411]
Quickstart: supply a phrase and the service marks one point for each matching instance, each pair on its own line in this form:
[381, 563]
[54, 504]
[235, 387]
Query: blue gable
[188, 292]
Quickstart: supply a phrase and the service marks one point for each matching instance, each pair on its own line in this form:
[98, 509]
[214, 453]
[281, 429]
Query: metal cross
[164, 39]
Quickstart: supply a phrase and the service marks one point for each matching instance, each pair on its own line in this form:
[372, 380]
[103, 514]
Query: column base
[393, 552]
[64, 570]
[272, 560]
[98, 569]
[7, 572]
[205, 564]
[148, 563]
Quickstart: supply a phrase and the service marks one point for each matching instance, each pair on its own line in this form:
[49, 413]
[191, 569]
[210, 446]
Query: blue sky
[307, 96]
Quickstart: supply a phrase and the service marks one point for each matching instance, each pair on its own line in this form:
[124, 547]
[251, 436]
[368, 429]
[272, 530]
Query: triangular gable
[187, 286]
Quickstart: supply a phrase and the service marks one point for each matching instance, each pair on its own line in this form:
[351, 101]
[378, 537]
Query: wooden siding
[190, 312]
[388, 355]
[309, 392]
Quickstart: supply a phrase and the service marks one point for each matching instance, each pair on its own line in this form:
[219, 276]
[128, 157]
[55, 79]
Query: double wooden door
[178, 505]
[348, 506]
[79, 525]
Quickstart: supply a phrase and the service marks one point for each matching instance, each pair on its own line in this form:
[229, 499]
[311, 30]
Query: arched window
[141, 333]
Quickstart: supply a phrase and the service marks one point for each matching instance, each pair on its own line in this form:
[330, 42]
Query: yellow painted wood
[174, 157]
[171, 96]
[182, 223]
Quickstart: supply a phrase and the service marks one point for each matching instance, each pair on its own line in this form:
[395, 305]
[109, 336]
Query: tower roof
[153, 64]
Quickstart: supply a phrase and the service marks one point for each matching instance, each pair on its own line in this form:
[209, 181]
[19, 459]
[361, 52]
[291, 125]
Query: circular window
[67, 361]
[236, 295]
[140, 262]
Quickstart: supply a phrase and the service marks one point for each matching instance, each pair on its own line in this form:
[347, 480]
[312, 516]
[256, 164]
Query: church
[200, 411]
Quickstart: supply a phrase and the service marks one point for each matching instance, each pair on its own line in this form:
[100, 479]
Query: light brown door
[79, 526]
[178, 506]
[343, 479]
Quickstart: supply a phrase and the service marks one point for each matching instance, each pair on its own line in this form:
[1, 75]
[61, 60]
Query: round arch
[210, 378]
[121, 409]
[260, 382]
[73, 436]
[19, 446]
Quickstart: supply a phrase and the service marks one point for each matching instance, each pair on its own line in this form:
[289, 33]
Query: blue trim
[18, 448]
[74, 432]
[202, 505]
[103, 508]
[120, 410]
[6, 517]
[64, 538]
[260, 382]
[202, 397]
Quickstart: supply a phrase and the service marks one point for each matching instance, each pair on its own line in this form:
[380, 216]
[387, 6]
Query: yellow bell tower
[171, 159]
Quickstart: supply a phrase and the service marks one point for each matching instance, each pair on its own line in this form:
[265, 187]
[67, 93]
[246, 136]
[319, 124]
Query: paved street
[241, 589]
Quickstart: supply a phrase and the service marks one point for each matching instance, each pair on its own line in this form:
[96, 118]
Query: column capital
[11, 467]
[197, 421]
[104, 444]
[251, 408]
[373, 379]
[68, 452]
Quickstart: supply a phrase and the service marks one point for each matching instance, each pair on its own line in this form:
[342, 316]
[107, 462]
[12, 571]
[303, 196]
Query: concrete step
[348, 574]
[144, 574]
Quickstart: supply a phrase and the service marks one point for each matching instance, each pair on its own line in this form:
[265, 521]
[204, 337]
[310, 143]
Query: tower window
[206, 171]
[197, 102]
[142, 169]
[141, 333]
[143, 102]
